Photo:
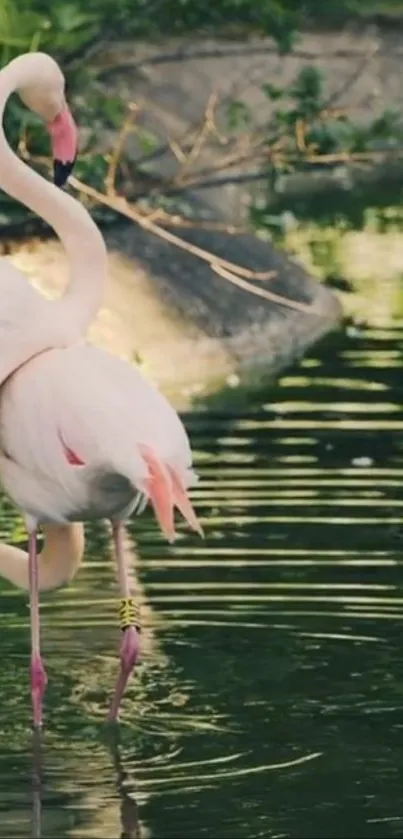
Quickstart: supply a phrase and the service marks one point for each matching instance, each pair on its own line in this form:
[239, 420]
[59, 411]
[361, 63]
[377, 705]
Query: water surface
[268, 703]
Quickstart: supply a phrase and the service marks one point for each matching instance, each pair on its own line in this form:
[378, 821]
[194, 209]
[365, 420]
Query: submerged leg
[129, 623]
[38, 674]
[36, 784]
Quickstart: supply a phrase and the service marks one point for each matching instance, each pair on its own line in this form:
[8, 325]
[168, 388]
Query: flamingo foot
[129, 653]
[39, 681]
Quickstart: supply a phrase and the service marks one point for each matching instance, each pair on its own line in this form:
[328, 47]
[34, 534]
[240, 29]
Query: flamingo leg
[38, 674]
[129, 622]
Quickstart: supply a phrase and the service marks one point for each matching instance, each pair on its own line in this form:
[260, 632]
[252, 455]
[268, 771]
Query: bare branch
[120, 205]
[176, 220]
[262, 292]
[117, 151]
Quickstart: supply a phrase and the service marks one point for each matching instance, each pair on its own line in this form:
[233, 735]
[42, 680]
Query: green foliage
[62, 27]
[305, 136]
[68, 28]
[238, 115]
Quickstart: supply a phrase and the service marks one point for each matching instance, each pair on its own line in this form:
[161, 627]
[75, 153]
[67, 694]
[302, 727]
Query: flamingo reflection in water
[128, 814]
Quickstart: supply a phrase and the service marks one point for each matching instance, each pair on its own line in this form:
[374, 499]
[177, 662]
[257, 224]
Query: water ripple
[268, 700]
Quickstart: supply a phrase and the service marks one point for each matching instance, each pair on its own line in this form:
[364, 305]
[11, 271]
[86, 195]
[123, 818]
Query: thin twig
[117, 151]
[177, 151]
[300, 135]
[235, 158]
[351, 157]
[262, 292]
[176, 220]
[207, 125]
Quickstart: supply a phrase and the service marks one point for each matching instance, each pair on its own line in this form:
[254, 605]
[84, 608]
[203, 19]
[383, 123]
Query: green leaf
[69, 18]
[238, 114]
[387, 126]
[147, 140]
[112, 110]
[286, 118]
[307, 91]
[272, 91]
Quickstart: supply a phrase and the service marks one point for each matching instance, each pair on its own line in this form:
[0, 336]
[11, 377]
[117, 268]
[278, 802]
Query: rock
[230, 329]
[188, 327]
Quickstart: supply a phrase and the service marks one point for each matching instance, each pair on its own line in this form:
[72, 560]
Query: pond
[269, 699]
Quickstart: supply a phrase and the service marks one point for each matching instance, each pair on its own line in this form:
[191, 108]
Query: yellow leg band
[129, 614]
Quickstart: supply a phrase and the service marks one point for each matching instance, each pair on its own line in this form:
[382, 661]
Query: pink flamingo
[83, 435]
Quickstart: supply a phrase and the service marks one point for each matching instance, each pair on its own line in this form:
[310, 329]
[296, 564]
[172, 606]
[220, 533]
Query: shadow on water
[268, 702]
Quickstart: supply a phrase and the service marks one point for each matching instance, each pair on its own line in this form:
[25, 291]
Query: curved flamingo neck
[58, 562]
[82, 240]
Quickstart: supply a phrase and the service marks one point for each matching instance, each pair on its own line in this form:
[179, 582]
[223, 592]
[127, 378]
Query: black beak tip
[61, 172]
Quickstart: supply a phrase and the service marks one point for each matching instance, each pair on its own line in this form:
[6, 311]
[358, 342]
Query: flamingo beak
[61, 171]
[63, 133]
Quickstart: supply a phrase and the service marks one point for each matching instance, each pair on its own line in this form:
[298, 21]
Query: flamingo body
[82, 434]
[72, 424]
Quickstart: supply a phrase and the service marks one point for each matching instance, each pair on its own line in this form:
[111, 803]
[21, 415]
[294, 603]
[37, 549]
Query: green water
[269, 700]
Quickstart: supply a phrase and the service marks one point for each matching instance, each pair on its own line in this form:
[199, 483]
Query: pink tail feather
[159, 488]
[182, 502]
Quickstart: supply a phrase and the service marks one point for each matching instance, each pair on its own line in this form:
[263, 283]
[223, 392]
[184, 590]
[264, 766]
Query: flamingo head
[46, 97]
